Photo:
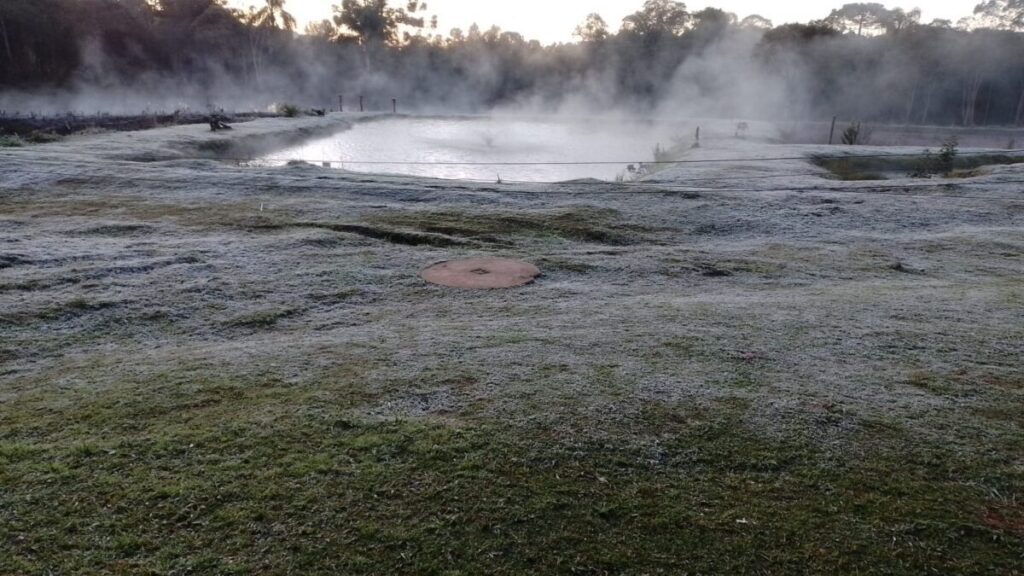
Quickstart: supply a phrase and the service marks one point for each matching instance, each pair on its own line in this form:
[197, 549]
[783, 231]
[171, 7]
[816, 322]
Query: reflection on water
[450, 141]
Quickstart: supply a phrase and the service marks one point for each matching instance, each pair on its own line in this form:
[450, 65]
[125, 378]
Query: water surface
[463, 148]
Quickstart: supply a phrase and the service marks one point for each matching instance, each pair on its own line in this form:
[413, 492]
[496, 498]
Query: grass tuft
[11, 141]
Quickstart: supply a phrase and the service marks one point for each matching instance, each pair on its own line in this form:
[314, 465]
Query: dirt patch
[1005, 518]
[416, 405]
[481, 273]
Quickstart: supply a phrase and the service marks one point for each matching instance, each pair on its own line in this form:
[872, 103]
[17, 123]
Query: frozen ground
[144, 293]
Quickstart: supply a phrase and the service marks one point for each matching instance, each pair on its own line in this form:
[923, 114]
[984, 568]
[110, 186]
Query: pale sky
[555, 20]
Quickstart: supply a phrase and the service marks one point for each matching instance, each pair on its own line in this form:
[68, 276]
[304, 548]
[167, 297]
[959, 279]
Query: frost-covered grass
[879, 168]
[207, 369]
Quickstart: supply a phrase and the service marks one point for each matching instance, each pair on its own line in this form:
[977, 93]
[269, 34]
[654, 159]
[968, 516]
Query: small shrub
[851, 136]
[925, 167]
[43, 137]
[10, 141]
[93, 131]
[947, 155]
[941, 164]
[288, 110]
[637, 171]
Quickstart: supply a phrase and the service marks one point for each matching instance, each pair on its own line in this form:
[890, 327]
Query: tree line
[860, 60]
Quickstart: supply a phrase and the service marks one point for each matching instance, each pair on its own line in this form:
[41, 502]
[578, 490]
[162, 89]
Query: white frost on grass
[795, 293]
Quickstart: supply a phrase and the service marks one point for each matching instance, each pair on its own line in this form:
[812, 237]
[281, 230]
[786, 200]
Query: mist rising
[859, 62]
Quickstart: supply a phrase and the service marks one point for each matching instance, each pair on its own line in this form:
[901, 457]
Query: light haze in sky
[554, 20]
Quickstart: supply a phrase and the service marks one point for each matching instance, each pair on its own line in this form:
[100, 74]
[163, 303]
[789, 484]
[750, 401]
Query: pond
[487, 148]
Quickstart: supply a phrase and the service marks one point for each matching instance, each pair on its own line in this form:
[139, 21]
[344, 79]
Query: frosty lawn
[702, 381]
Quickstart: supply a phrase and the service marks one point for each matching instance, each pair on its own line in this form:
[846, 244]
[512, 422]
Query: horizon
[562, 18]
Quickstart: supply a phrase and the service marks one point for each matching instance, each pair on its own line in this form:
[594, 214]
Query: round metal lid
[481, 273]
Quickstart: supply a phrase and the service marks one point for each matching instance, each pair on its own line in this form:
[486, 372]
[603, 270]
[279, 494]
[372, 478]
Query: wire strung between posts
[611, 162]
[587, 182]
[646, 185]
[823, 156]
[638, 187]
[103, 163]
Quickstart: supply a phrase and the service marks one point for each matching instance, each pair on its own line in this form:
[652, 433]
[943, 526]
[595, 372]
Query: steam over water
[477, 141]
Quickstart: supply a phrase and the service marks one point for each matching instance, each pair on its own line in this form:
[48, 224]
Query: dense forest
[860, 61]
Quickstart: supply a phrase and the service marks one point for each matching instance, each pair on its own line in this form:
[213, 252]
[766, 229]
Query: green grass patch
[249, 474]
[288, 110]
[16, 141]
[881, 167]
[584, 224]
[11, 141]
[43, 137]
